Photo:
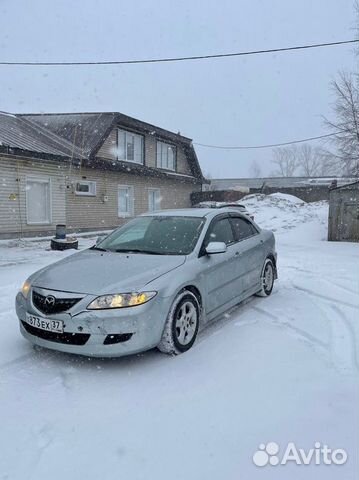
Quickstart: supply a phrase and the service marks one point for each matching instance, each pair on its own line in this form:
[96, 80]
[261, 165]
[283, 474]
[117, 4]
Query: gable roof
[87, 132]
[80, 136]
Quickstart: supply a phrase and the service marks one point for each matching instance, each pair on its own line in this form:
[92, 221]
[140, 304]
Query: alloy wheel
[186, 323]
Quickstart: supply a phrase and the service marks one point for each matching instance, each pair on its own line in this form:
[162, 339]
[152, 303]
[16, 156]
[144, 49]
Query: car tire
[181, 328]
[267, 279]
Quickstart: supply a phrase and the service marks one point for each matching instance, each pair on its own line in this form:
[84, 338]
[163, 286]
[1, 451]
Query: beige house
[90, 171]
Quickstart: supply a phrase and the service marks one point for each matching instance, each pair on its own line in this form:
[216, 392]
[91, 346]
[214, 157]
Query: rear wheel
[182, 324]
[267, 278]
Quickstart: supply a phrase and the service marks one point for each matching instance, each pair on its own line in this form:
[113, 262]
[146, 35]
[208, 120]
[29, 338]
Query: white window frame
[128, 132]
[130, 212]
[159, 147]
[157, 205]
[92, 188]
[38, 179]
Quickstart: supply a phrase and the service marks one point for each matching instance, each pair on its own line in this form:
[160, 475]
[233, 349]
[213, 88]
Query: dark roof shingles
[78, 135]
[17, 132]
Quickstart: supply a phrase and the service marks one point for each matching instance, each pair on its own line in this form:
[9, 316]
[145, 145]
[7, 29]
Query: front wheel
[182, 324]
[267, 279]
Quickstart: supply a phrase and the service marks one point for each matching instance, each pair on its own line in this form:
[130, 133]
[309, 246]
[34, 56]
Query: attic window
[86, 188]
[129, 146]
[166, 156]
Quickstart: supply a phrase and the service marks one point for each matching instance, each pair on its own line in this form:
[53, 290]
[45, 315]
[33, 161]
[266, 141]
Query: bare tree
[309, 160]
[329, 163]
[345, 126]
[255, 170]
[285, 161]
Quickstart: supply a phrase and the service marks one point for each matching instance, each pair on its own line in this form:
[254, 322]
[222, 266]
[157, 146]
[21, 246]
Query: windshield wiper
[98, 248]
[137, 250]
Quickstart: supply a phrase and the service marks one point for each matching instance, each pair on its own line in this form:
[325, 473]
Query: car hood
[98, 273]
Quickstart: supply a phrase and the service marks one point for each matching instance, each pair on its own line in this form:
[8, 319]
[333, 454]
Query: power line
[251, 147]
[181, 59]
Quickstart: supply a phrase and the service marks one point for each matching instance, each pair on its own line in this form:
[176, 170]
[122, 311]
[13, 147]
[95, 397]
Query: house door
[38, 201]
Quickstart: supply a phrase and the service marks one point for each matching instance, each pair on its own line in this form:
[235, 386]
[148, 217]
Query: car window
[162, 235]
[242, 228]
[136, 231]
[221, 231]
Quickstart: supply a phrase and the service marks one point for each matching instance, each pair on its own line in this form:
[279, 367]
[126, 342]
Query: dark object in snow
[60, 232]
[64, 243]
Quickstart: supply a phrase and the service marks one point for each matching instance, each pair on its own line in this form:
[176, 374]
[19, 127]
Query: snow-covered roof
[347, 185]
[80, 136]
[21, 133]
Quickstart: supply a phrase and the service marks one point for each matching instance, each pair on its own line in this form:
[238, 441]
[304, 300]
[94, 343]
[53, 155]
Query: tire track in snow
[44, 438]
[324, 297]
[342, 345]
[346, 338]
[276, 320]
[320, 277]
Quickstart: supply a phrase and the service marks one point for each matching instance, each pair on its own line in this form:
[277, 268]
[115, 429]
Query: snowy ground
[281, 369]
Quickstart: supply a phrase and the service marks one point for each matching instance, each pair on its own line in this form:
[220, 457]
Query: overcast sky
[236, 101]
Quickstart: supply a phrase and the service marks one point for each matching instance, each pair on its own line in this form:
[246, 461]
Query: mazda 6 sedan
[154, 282]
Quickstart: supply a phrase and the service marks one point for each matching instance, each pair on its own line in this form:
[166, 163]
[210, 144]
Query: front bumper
[145, 323]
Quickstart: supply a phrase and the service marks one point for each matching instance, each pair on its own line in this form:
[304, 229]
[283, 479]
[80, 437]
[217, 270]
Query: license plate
[45, 324]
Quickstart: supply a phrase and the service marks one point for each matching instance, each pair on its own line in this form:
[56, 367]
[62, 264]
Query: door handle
[238, 254]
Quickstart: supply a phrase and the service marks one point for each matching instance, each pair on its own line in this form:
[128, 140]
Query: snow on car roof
[188, 212]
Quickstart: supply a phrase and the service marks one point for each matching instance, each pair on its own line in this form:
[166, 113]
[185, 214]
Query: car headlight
[25, 289]
[120, 300]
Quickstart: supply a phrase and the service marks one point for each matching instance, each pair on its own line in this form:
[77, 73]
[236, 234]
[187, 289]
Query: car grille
[68, 338]
[59, 305]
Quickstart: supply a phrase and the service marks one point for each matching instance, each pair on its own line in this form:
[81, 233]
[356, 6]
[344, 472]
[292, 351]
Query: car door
[217, 273]
[249, 252]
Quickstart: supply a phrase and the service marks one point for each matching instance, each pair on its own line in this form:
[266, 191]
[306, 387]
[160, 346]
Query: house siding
[79, 213]
[86, 213]
[108, 151]
[13, 174]
[91, 213]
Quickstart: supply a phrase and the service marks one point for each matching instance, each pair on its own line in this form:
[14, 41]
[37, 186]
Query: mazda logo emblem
[50, 300]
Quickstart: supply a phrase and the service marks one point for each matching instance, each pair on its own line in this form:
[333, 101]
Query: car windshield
[158, 235]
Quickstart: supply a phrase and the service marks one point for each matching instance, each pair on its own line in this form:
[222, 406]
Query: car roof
[190, 212]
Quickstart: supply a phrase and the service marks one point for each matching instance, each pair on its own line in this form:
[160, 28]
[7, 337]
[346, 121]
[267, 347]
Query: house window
[166, 156]
[129, 146]
[154, 199]
[38, 201]
[85, 188]
[125, 201]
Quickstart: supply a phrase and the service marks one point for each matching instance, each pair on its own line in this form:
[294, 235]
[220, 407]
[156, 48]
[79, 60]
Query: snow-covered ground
[282, 369]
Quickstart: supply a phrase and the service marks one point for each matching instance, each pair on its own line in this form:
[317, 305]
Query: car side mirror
[216, 247]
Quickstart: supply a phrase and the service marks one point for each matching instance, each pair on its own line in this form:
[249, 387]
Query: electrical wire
[272, 145]
[181, 59]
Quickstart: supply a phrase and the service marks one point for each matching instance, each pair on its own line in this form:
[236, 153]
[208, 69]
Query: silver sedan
[154, 282]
